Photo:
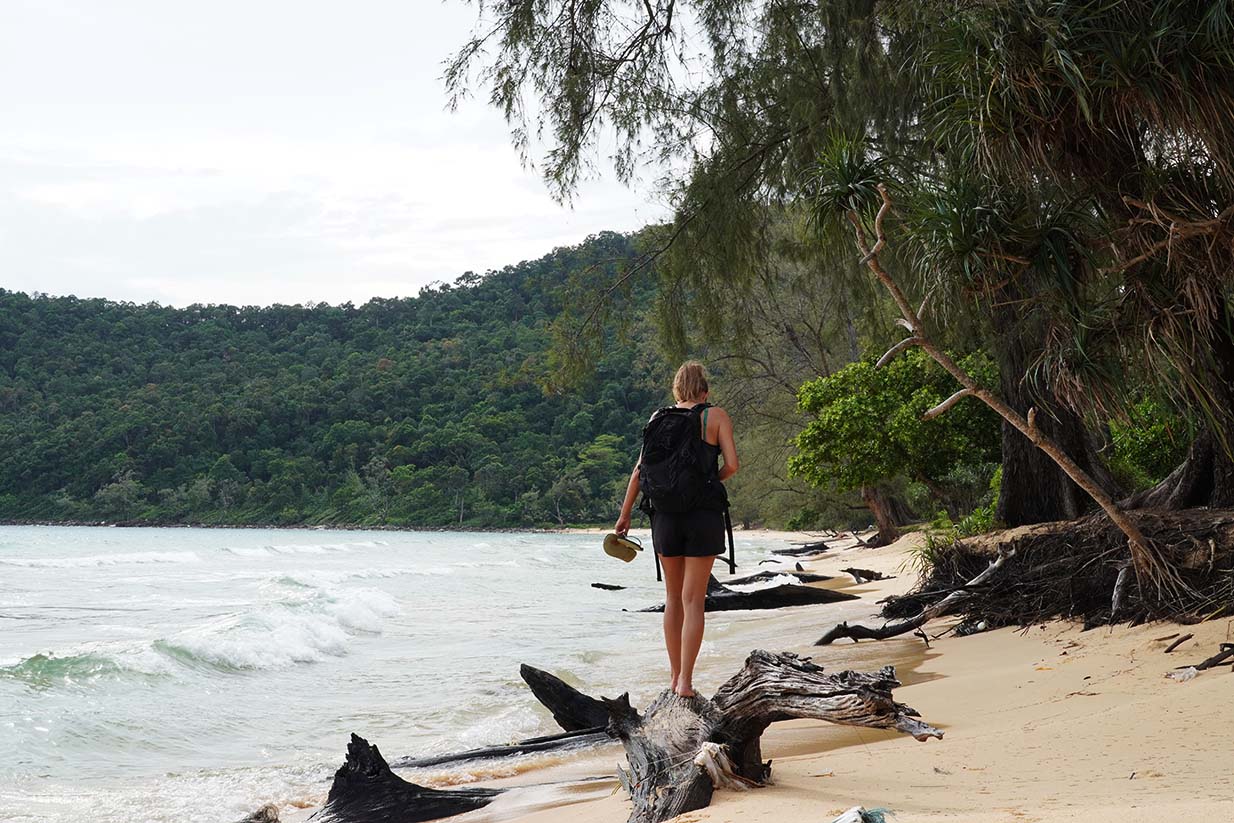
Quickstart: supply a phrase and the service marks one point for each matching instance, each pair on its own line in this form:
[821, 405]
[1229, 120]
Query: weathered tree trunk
[366, 791]
[803, 550]
[1035, 489]
[880, 505]
[680, 746]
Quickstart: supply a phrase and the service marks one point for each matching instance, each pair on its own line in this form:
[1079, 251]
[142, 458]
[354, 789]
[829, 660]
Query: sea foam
[284, 634]
[101, 560]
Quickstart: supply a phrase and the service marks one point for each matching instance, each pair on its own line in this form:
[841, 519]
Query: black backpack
[676, 473]
[672, 474]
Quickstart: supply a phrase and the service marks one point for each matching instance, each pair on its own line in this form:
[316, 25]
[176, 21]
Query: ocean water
[195, 674]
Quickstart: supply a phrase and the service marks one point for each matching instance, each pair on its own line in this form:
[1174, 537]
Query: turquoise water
[176, 674]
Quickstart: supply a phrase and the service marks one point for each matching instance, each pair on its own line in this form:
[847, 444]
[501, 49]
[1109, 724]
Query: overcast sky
[258, 152]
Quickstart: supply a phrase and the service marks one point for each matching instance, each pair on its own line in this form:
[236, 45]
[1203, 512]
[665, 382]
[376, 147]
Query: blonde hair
[690, 381]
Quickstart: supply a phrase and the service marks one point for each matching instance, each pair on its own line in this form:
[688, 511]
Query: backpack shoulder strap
[732, 550]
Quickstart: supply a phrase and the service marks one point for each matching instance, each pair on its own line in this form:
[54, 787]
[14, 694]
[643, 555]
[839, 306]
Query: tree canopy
[866, 427]
[1063, 169]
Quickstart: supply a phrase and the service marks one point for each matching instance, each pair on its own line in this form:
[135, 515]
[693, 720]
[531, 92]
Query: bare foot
[685, 690]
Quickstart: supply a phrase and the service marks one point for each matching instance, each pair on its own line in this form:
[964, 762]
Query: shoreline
[758, 532]
[342, 527]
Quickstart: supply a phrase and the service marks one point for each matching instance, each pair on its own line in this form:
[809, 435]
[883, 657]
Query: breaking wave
[47, 670]
[101, 560]
[282, 635]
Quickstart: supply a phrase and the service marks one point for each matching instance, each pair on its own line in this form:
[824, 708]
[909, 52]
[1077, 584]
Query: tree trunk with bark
[1206, 477]
[681, 749]
[889, 514]
[1204, 480]
[1035, 489]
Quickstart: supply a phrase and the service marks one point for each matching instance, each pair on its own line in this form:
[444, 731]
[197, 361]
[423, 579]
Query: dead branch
[928, 613]
[946, 404]
[894, 351]
[1227, 652]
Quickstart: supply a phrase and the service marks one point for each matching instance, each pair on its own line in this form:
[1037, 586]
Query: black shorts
[697, 533]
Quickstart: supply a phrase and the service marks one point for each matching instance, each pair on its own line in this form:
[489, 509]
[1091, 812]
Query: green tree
[228, 482]
[866, 430]
[121, 498]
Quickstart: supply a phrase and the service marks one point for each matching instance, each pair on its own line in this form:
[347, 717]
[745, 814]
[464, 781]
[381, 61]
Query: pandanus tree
[1126, 111]
[1065, 171]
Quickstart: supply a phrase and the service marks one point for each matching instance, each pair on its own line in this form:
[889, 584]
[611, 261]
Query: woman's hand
[623, 524]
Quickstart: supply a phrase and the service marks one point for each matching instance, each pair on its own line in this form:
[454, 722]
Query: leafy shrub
[1146, 444]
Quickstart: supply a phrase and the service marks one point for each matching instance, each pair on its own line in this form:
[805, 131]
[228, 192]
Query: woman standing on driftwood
[679, 474]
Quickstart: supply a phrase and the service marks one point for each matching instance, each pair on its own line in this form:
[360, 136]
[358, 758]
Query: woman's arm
[724, 436]
[627, 505]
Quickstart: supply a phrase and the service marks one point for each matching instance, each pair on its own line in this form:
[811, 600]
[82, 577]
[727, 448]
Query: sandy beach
[1045, 724]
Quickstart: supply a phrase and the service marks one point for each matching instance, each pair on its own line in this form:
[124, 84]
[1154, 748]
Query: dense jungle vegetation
[444, 409]
[425, 411]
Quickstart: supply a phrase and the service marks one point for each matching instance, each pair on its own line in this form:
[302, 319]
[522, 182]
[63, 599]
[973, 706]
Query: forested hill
[424, 411]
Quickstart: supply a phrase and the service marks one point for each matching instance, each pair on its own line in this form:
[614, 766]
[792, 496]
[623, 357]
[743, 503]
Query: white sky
[257, 152]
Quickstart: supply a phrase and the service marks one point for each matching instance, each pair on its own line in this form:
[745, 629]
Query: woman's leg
[674, 570]
[693, 601]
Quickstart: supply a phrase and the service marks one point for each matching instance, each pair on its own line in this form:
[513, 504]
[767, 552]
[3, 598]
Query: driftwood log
[366, 791]
[802, 577]
[564, 742]
[802, 550]
[866, 575]
[582, 717]
[608, 587]
[720, 598]
[1224, 655]
[680, 749]
[938, 609]
[573, 710]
